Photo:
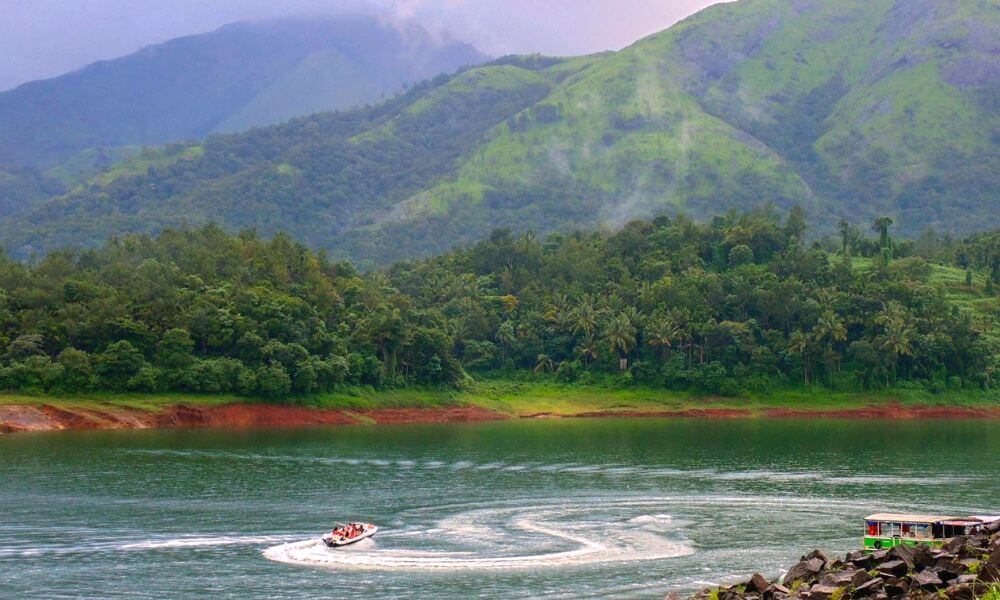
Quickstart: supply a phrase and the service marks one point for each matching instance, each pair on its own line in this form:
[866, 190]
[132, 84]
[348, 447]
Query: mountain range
[239, 76]
[849, 108]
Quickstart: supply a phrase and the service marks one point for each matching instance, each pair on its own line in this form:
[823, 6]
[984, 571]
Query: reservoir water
[552, 509]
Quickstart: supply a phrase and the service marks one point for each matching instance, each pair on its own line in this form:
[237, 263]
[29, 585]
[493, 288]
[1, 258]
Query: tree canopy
[734, 305]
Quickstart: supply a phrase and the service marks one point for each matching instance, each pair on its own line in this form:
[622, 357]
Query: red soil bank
[18, 418]
[691, 413]
[462, 414]
[889, 411]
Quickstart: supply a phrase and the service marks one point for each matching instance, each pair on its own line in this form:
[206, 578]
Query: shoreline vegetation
[743, 311]
[479, 401]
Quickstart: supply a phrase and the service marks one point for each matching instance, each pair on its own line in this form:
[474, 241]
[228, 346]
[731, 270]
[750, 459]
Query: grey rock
[860, 578]
[868, 588]
[955, 544]
[990, 569]
[804, 570]
[839, 578]
[948, 568]
[896, 587]
[757, 584]
[823, 592]
[923, 557]
[894, 568]
[966, 591]
[927, 579]
[903, 553]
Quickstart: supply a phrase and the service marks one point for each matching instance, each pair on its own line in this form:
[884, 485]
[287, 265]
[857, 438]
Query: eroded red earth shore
[45, 417]
[22, 418]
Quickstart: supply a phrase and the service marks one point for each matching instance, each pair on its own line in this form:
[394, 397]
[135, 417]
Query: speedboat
[351, 533]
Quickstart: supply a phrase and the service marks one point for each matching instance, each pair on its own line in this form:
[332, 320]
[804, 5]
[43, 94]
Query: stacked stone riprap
[965, 568]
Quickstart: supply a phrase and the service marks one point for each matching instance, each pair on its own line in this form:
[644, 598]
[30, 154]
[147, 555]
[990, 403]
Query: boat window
[922, 530]
[872, 528]
[892, 529]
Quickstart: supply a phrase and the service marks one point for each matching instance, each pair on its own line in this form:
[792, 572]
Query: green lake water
[551, 509]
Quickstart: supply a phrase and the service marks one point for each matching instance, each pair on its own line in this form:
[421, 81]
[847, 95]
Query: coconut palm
[882, 225]
[831, 328]
[662, 334]
[898, 337]
[621, 337]
[585, 317]
[544, 364]
[506, 335]
[588, 349]
[800, 343]
[846, 232]
[560, 314]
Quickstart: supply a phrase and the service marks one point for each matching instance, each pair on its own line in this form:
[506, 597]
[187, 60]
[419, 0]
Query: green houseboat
[885, 530]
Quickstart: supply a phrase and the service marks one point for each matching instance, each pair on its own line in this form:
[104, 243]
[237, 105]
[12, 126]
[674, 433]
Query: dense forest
[739, 304]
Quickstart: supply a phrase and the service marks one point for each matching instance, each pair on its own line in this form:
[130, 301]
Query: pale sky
[45, 38]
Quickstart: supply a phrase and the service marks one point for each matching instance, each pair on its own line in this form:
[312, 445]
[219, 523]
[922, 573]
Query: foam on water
[505, 537]
[534, 535]
[612, 470]
[201, 542]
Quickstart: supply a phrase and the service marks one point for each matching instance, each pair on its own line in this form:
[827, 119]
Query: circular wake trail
[507, 538]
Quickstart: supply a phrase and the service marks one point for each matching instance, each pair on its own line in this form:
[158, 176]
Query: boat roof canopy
[898, 518]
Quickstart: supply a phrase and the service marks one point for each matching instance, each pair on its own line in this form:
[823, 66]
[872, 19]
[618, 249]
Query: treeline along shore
[965, 568]
[742, 307]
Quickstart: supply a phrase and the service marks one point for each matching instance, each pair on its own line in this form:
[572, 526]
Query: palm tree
[621, 337]
[585, 317]
[560, 314]
[830, 328]
[799, 343]
[544, 364]
[845, 236]
[588, 349]
[898, 338]
[662, 334]
[882, 225]
[506, 335]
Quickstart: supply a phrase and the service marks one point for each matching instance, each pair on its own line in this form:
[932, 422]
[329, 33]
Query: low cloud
[45, 38]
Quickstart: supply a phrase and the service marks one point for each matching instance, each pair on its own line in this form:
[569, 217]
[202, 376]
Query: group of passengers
[349, 531]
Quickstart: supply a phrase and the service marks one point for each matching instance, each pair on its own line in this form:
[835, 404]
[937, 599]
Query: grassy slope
[624, 132]
[984, 309]
[840, 106]
[542, 396]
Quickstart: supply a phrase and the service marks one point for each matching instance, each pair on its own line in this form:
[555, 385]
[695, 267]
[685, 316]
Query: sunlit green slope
[849, 108]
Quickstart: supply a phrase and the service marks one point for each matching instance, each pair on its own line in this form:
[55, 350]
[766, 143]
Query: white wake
[505, 538]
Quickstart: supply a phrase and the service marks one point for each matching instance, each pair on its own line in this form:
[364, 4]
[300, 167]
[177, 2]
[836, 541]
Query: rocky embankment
[966, 568]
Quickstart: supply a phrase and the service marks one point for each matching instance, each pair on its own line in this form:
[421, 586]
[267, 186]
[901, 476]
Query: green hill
[237, 77]
[849, 108]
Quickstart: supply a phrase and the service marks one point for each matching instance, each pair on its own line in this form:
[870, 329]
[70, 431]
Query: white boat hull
[339, 542]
